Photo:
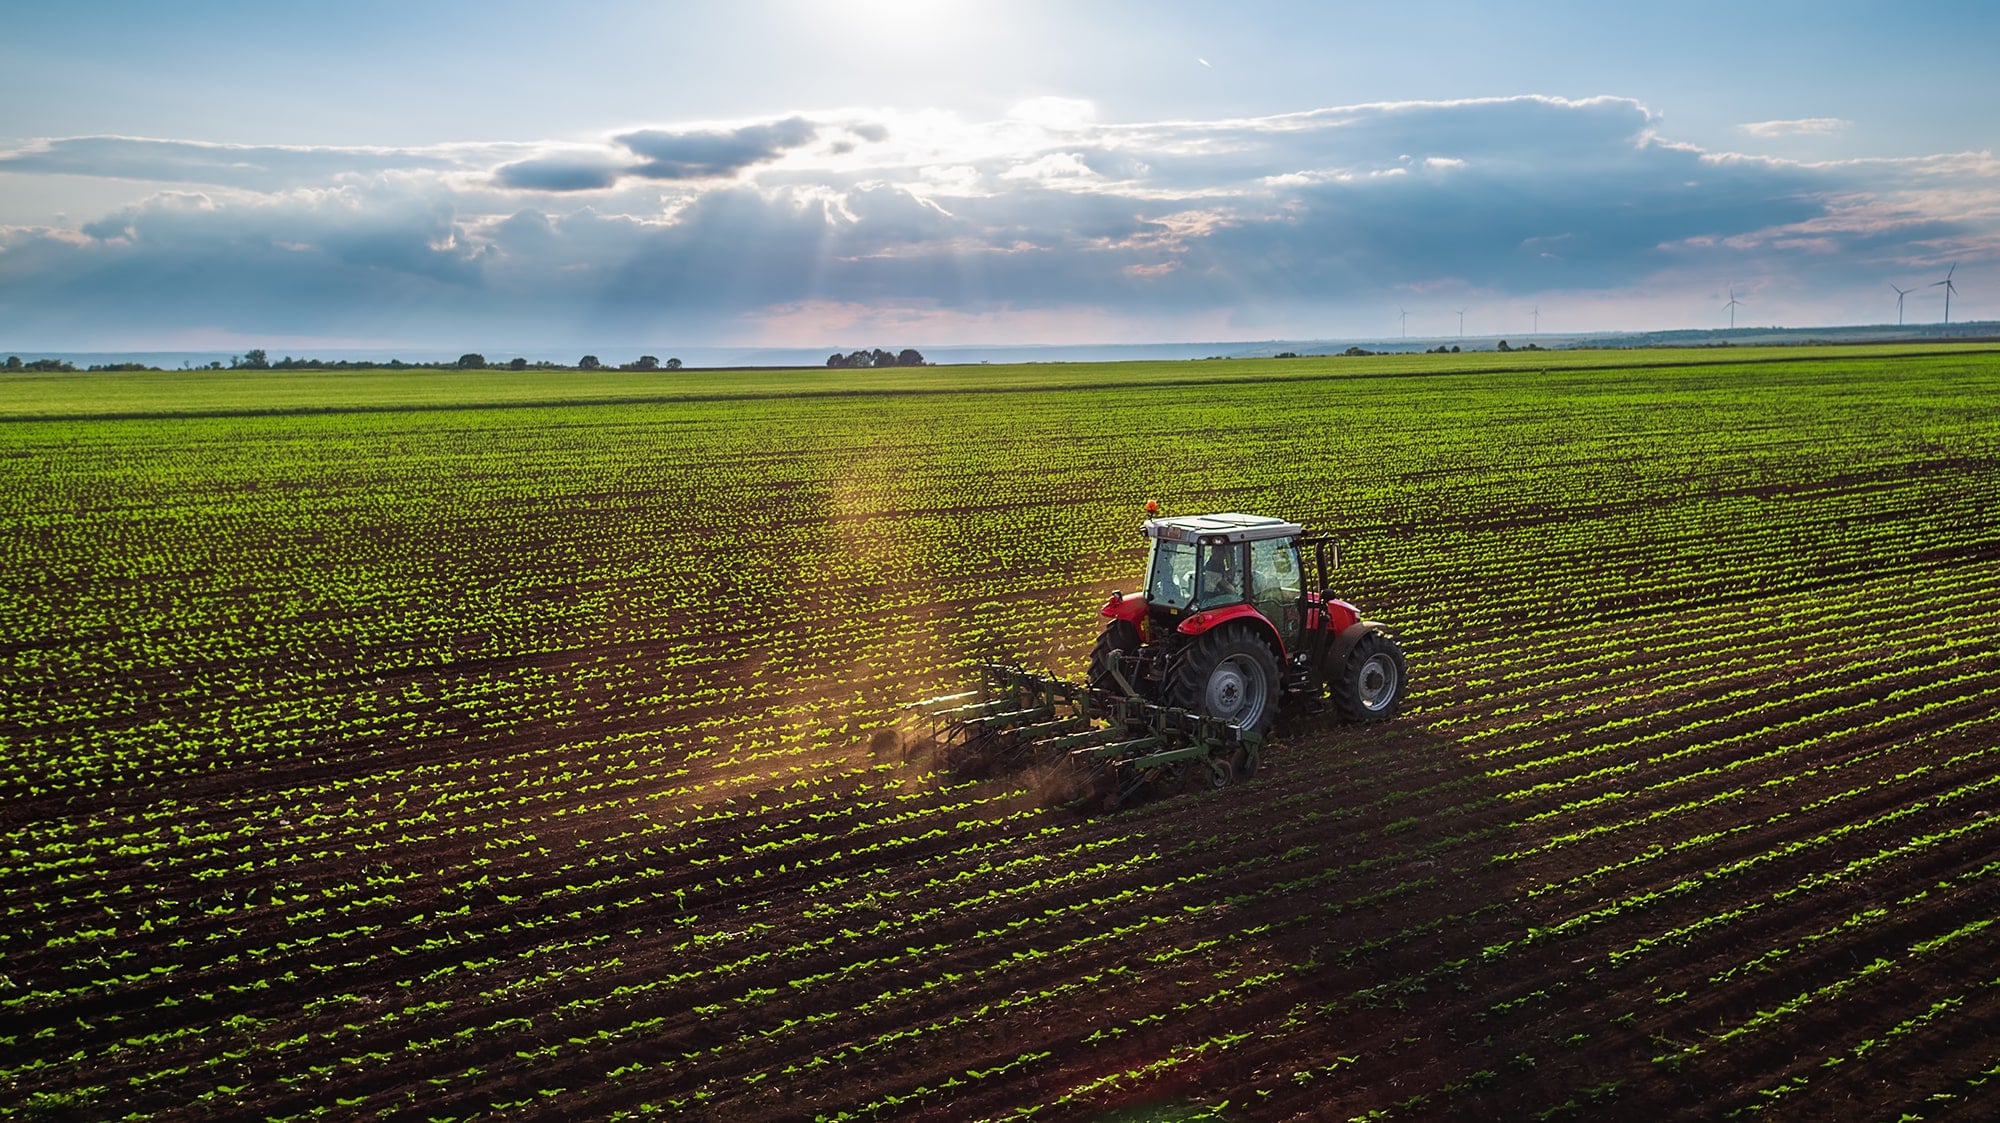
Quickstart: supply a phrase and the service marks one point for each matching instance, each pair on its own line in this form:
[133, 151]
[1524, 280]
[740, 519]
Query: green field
[445, 745]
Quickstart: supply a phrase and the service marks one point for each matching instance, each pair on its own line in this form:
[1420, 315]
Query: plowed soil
[1689, 815]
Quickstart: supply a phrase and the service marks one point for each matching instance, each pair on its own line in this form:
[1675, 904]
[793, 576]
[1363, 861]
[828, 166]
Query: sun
[893, 24]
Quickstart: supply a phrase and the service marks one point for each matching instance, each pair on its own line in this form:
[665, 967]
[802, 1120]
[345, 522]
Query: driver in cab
[1219, 579]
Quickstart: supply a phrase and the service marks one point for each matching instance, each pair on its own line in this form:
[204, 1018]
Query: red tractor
[1191, 672]
[1233, 626]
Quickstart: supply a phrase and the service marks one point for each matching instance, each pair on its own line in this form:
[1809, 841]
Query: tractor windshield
[1170, 574]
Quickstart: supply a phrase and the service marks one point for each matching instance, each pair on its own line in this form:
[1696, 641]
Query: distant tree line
[907, 357]
[14, 363]
[259, 359]
[471, 360]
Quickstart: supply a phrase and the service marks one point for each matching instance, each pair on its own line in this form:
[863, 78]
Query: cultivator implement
[1094, 745]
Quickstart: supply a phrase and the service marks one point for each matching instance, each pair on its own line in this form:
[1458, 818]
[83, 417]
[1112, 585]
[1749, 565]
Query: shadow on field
[1324, 917]
[1339, 910]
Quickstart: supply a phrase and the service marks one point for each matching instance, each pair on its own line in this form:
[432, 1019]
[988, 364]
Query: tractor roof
[1226, 527]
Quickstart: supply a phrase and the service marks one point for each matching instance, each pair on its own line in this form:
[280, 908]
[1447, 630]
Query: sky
[530, 177]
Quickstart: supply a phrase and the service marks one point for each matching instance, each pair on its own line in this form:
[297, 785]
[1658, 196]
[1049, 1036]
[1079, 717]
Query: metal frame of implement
[1121, 738]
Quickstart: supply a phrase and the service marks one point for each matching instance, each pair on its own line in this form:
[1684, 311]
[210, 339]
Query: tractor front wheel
[1371, 683]
[1231, 675]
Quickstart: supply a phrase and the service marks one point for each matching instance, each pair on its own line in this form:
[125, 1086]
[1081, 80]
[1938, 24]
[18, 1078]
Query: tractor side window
[1277, 584]
[1170, 576]
[1221, 575]
[1274, 570]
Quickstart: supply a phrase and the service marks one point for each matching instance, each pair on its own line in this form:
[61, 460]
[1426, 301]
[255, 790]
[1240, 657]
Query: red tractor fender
[1129, 607]
[1336, 655]
[1215, 617]
[1331, 614]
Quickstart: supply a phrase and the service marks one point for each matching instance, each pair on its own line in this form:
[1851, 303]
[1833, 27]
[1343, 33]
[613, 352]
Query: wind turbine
[1537, 314]
[1949, 288]
[1733, 302]
[1903, 292]
[1461, 323]
[1405, 314]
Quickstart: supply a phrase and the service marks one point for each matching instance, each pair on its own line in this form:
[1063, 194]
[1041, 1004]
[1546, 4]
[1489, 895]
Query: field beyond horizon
[483, 745]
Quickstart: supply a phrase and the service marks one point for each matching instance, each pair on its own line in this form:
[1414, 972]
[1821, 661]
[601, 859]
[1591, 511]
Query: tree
[859, 360]
[673, 364]
[517, 363]
[472, 360]
[13, 362]
[588, 362]
[253, 359]
[1503, 346]
[646, 362]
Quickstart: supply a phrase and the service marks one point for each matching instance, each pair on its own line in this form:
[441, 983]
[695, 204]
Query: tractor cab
[1208, 563]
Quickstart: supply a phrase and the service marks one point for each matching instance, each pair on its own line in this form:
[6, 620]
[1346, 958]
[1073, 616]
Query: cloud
[1056, 167]
[1048, 219]
[1803, 126]
[715, 154]
[678, 155]
[254, 167]
[558, 173]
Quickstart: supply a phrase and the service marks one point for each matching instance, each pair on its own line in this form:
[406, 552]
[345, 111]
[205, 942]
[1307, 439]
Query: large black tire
[1119, 636]
[1229, 674]
[1372, 681]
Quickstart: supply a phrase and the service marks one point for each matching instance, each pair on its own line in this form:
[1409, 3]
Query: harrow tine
[1011, 719]
[971, 710]
[1038, 734]
[928, 705]
[1067, 742]
[1130, 784]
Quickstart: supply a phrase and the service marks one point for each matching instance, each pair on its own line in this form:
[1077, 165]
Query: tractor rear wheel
[1371, 684]
[1228, 674]
[1120, 636]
